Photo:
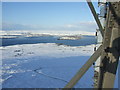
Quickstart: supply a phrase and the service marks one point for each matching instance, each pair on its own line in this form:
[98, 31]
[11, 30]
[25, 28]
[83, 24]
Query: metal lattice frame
[109, 51]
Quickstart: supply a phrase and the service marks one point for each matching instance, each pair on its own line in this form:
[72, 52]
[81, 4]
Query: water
[85, 40]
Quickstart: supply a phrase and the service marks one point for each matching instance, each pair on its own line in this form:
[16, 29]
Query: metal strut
[95, 16]
[111, 47]
[109, 51]
[84, 68]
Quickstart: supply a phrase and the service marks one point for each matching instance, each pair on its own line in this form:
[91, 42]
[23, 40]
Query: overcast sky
[48, 16]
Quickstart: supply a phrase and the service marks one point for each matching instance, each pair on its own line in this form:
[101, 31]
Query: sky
[66, 16]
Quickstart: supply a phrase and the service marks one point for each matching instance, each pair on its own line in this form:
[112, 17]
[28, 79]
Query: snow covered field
[62, 34]
[49, 32]
[44, 65]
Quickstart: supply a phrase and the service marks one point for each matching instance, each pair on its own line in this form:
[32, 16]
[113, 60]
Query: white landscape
[44, 65]
[43, 45]
[50, 32]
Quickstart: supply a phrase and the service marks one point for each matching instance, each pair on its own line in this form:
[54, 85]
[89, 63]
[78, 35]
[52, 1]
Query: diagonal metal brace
[95, 16]
[84, 68]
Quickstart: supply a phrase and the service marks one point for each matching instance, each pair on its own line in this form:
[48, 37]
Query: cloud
[80, 26]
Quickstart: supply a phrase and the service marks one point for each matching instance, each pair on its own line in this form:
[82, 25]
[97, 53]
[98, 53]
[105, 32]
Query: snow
[42, 49]
[8, 37]
[44, 32]
[44, 65]
[62, 34]
[75, 37]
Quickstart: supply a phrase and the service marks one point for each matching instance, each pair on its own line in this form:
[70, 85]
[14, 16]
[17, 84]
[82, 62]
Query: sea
[83, 41]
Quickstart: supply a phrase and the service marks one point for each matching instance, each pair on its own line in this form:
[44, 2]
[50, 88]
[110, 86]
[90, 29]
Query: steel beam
[95, 16]
[84, 68]
[111, 65]
[109, 61]
[106, 43]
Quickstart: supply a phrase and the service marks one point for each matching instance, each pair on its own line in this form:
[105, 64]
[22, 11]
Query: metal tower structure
[108, 51]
